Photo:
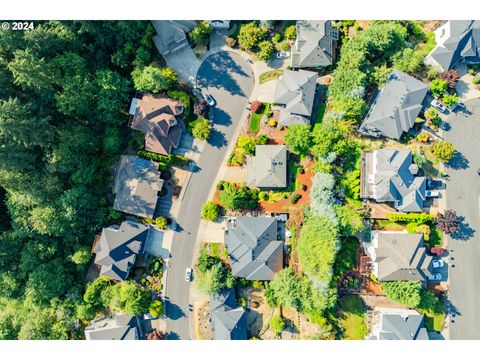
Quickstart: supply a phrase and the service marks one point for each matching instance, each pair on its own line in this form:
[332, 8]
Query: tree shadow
[458, 161]
[218, 71]
[172, 336]
[173, 311]
[464, 232]
[217, 139]
[221, 117]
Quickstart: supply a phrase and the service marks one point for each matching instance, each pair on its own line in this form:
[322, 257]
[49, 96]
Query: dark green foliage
[298, 139]
[346, 257]
[62, 127]
[166, 160]
[239, 197]
[406, 293]
[295, 197]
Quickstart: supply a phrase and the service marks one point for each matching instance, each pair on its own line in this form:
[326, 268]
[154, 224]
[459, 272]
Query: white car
[437, 264]
[283, 54]
[435, 277]
[209, 99]
[439, 106]
[432, 193]
[188, 274]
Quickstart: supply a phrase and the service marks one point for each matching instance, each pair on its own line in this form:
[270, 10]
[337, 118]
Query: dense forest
[65, 89]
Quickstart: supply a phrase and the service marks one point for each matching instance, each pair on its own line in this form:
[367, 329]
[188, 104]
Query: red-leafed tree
[156, 335]
[448, 222]
[451, 77]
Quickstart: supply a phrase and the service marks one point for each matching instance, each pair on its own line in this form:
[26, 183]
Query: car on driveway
[434, 184]
[283, 54]
[435, 277]
[437, 264]
[438, 105]
[188, 274]
[432, 193]
[209, 99]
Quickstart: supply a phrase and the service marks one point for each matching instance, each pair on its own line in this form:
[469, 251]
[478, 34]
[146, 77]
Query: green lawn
[270, 75]
[435, 319]
[389, 225]
[254, 126]
[352, 318]
[319, 115]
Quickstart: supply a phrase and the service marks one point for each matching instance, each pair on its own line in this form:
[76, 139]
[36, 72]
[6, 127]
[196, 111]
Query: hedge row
[410, 218]
[165, 160]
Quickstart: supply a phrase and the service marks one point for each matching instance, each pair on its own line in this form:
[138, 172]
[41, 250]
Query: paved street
[229, 79]
[463, 193]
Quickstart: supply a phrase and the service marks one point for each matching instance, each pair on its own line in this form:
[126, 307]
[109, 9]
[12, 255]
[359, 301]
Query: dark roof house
[119, 327]
[295, 94]
[389, 175]
[118, 248]
[254, 249]
[171, 35]
[457, 41]
[229, 321]
[315, 44]
[156, 116]
[268, 168]
[395, 107]
[137, 184]
[397, 324]
[398, 256]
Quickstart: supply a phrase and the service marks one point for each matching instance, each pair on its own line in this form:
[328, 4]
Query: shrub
[262, 139]
[250, 35]
[242, 302]
[266, 49]
[161, 222]
[277, 324]
[431, 114]
[220, 185]
[420, 160]
[258, 284]
[210, 211]
[201, 108]
[423, 137]
[272, 123]
[277, 38]
[262, 196]
[450, 100]
[403, 292]
[448, 222]
[443, 150]
[231, 42]
[81, 256]
[298, 139]
[156, 308]
[476, 79]
[202, 129]
[200, 33]
[303, 187]
[410, 218]
[256, 107]
[237, 198]
[425, 230]
[295, 197]
[290, 32]
[438, 87]
[451, 77]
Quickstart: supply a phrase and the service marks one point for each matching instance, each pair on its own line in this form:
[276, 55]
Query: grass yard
[270, 75]
[254, 126]
[352, 318]
[388, 225]
[319, 115]
[435, 319]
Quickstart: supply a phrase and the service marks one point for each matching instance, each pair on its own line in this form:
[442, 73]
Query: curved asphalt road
[229, 79]
[463, 195]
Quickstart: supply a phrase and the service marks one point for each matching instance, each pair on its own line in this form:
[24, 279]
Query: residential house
[137, 185]
[395, 107]
[268, 168]
[229, 321]
[294, 97]
[390, 176]
[156, 116]
[456, 41]
[398, 256]
[315, 44]
[118, 327]
[254, 249]
[118, 247]
[397, 324]
[171, 35]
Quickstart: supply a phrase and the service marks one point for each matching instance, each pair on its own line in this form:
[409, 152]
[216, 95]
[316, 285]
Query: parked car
[437, 264]
[283, 54]
[432, 193]
[435, 277]
[188, 274]
[209, 99]
[438, 105]
[434, 184]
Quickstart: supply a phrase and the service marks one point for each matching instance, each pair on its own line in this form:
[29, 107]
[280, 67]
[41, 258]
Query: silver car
[438, 105]
[188, 274]
[209, 99]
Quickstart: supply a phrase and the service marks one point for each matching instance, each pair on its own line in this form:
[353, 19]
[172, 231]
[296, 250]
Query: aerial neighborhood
[241, 180]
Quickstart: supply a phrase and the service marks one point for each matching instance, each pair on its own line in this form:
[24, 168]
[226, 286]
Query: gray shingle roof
[390, 176]
[314, 44]
[136, 187]
[120, 327]
[460, 40]
[396, 106]
[229, 321]
[118, 247]
[400, 256]
[254, 249]
[171, 34]
[295, 91]
[398, 327]
[268, 168]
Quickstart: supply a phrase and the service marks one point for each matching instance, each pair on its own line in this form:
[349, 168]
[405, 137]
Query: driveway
[463, 193]
[229, 79]
[464, 87]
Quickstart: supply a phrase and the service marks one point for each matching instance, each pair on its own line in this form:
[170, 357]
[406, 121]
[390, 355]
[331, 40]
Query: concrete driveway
[229, 79]
[464, 87]
[463, 193]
